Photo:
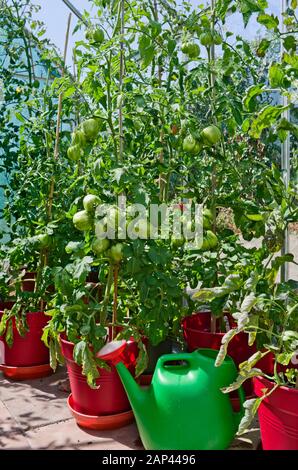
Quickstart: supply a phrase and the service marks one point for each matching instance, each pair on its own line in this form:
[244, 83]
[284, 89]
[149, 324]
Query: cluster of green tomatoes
[208, 39]
[209, 137]
[210, 240]
[84, 135]
[85, 220]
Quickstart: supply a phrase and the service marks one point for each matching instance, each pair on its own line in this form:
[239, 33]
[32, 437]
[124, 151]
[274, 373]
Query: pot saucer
[100, 422]
[26, 373]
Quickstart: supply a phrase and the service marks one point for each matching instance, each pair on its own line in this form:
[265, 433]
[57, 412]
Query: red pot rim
[70, 343]
[203, 332]
[103, 422]
[26, 372]
[195, 330]
[270, 384]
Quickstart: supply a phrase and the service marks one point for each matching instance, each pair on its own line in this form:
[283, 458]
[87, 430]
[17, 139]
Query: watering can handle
[174, 357]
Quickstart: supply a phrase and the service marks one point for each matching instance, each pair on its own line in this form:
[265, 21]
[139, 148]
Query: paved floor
[34, 415]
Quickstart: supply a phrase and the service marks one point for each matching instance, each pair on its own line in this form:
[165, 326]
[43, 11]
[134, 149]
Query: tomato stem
[115, 302]
[103, 314]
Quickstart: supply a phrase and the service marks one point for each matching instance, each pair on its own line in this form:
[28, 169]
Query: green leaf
[90, 368]
[82, 267]
[253, 323]
[53, 357]
[251, 407]
[276, 264]
[263, 47]
[232, 283]
[291, 59]
[265, 119]
[9, 334]
[146, 49]
[284, 358]
[249, 98]
[290, 43]
[269, 21]
[255, 217]
[142, 361]
[276, 76]
[248, 303]
[78, 352]
[289, 335]
[248, 7]
[246, 366]
[241, 379]
[20, 117]
[171, 46]
[224, 347]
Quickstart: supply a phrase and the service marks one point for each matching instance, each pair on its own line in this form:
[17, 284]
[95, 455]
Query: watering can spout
[113, 352]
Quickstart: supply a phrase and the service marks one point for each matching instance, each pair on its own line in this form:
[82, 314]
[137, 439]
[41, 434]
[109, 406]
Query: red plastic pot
[28, 282]
[196, 331]
[110, 397]
[29, 350]
[197, 334]
[278, 416]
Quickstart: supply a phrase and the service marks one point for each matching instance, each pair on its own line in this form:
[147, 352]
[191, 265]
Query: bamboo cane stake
[162, 180]
[121, 78]
[59, 114]
[44, 253]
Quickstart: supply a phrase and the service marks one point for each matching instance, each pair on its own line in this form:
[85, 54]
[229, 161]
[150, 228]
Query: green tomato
[207, 219]
[198, 148]
[100, 245]
[185, 47]
[205, 246]
[189, 144]
[177, 242]
[91, 128]
[207, 224]
[211, 239]
[90, 202]
[206, 39]
[116, 253]
[75, 153]
[98, 36]
[82, 221]
[191, 49]
[217, 39]
[211, 135]
[89, 35]
[43, 240]
[78, 138]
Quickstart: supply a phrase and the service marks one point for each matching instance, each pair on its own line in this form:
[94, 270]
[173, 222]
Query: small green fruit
[206, 39]
[82, 221]
[211, 135]
[75, 153]
[78, 138]
[91, 128]
[189, 144]
[116, 253]
[98, 36]
[212, 239]
[191, 49]
[90, 202]
[99, 246]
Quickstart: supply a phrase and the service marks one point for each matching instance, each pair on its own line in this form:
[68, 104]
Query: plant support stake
[285, 151]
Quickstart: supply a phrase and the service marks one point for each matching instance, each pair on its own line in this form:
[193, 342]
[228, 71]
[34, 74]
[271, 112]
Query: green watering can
[184, 408]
